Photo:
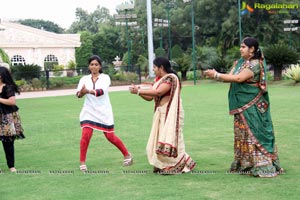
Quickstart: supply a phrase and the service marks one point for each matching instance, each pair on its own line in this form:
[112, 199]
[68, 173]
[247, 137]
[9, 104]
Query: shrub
[278, 55]
[125, 76]
[190, 75]
[132, 77]
[36, 83]
[58, 70]
[71, 80]
[220, 65]
[269, 76]
[109, 71]
[71, 65]
[20, 83]
[23, 85]
[27, 72]
[50, 65]
[56, 82]
[293, 72]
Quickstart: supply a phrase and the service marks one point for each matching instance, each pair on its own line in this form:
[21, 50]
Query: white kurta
[97, 111]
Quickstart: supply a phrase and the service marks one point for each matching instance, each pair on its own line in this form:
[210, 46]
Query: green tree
[176, 51]
[280, 55]
[232, 54]
[106, 43]
[142, 62]
[125, 60]
[85, 51]
[206, 56]
[90, 22]
[183, 65]
[42, 24]
[216, 25]
[220, 65]
[160, 52]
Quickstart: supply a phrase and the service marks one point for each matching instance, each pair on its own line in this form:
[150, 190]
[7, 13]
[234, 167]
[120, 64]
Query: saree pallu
[166, 148]
[255, 151]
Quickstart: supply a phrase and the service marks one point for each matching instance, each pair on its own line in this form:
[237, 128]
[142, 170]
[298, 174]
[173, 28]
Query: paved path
[53, 93]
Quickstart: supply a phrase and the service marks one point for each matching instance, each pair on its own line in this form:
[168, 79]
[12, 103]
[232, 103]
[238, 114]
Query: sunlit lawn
[48, 159]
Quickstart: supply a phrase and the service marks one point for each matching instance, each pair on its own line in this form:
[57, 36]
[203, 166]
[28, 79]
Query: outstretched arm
[149, 94]
[83, 91]
[244, 75]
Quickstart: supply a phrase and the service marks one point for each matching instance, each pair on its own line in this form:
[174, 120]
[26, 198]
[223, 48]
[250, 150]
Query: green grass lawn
[48, 159]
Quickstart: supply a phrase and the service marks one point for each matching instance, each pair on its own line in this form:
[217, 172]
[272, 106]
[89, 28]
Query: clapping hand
[82, 92]
[210, 73]
[133, 89]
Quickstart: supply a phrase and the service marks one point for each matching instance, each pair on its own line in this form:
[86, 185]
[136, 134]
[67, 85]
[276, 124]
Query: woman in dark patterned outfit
[10, 123]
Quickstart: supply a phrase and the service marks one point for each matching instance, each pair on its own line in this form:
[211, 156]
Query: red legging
[86, 137]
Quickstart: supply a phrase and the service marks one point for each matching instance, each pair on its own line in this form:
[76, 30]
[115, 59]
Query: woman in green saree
[165, 148]
[255, 151]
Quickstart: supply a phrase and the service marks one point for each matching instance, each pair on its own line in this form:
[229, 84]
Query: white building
[27, 45]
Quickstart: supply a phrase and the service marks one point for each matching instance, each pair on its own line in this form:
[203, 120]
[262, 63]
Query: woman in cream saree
[165, 148]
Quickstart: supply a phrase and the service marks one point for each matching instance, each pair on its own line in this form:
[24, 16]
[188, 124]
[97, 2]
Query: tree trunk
[183, 75]
[277, 73]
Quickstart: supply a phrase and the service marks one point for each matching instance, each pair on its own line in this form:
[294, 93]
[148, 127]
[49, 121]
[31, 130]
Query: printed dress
[10, 122]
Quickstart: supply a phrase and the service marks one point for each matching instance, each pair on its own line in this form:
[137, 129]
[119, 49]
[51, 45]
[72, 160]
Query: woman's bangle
[215, 75]
[138, 92]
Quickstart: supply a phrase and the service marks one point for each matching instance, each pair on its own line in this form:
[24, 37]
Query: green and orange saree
[255, 152]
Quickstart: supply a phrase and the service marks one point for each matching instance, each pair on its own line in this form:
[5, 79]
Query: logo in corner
[246, 8]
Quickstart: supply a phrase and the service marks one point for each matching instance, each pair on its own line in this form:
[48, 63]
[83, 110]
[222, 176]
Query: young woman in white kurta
[96, 113]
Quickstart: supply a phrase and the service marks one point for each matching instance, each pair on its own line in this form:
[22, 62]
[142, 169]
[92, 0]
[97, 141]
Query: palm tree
[279, 55]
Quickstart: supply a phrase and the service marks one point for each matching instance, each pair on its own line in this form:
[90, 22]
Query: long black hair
[6, 78]
[165, 63]
[98, 59]
[252, 42]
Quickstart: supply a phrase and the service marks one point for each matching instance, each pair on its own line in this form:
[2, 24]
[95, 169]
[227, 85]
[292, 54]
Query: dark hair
[98, 59]
[165, 63]
[6, 77]
[252, 42]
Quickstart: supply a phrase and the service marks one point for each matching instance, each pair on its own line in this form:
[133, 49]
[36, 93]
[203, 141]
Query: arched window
[50, 61]
[17, 60]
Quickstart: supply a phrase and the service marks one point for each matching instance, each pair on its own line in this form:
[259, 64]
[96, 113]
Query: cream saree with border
[165, 148]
